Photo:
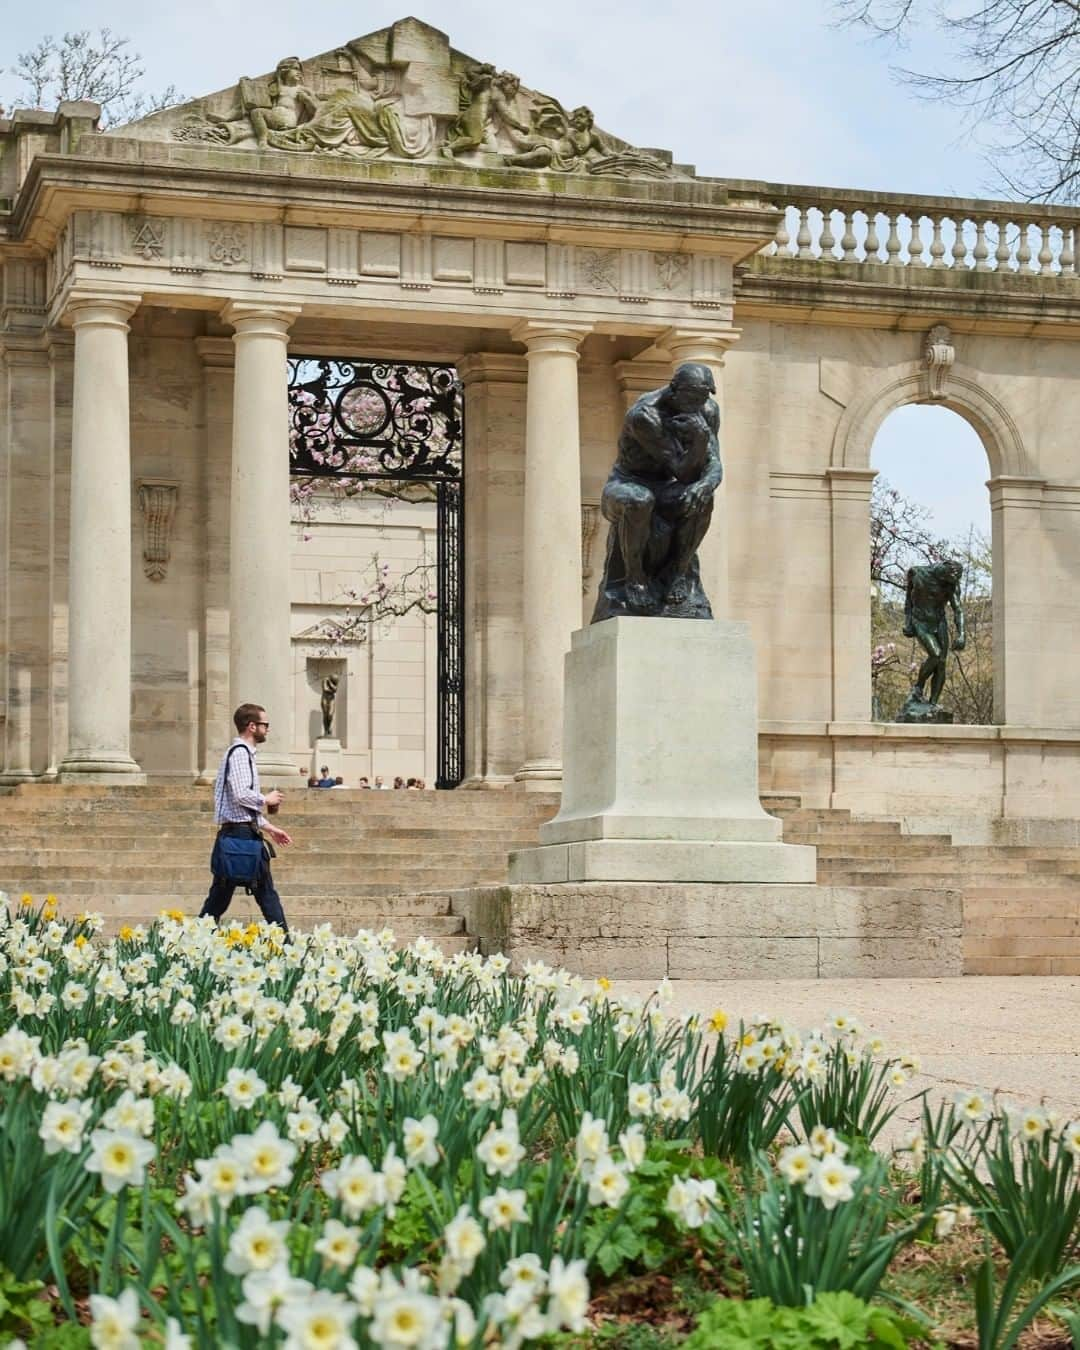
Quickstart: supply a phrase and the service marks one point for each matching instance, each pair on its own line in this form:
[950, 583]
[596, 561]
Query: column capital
[542, 335]
[100, 309]
[708, 345]
[492, 368]
[250, 318]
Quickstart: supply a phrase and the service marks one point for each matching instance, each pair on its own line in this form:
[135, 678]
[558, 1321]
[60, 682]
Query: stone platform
[701, 931]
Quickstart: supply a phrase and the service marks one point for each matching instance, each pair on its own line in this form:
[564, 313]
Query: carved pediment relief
[403, 94]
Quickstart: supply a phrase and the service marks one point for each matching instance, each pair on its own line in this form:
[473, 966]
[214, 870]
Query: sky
[772, 90]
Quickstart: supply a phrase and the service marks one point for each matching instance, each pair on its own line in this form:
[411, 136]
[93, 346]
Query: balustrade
[820, 226]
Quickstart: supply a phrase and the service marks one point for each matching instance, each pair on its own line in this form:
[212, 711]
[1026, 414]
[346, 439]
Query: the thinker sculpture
[329, 695]
[931, 591]
[659, 501]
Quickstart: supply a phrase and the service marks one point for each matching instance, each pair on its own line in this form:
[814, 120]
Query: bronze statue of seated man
[659, 500]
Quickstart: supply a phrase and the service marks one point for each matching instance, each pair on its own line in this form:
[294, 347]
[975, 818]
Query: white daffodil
[1070, 1138]
[795, 1164]
[500, 1150]
[831, 1180]
[464, 1239]
[421, 1150]
[265, 1157]
[62, 1125]
[608, 1183]
[119, 1157]
[639, 1099]
[568, 1296]
[633, 1144]
[267, 1291]
[242, 1088]
[691, 1200]
[322, 1321]
[355, 1185]
[132, 1114]
[405, 1318]
[503, 1208]
[339, 1244]
[1030, 1124]
[256, 1243]
[114, 1321]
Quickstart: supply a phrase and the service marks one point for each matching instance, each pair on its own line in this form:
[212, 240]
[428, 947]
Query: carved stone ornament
[939, 355]
[148, 238]
[590, 520]
[598, 269]
[157, 501]
[409, 97]
[672, 269]
[225, 245]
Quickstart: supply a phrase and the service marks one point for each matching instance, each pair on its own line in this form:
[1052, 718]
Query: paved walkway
[1019, 1036]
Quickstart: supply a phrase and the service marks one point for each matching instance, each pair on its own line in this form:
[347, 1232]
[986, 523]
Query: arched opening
[929, 506]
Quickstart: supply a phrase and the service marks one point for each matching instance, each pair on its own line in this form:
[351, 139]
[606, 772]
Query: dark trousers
[263, 891]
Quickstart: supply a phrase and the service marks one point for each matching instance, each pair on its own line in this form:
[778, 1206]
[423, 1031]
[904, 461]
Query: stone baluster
[871, 244]
[1046, 252]
[1023, 249]
[828, 239]
[783, 238]
[99, 579]
[1067, 258]
[848, 242]
[1003, 252]
[981, 251]
[937, 244]
[260, 642]
[892, 243]
[804, 238]
[959, 248]
[551, 564]
[916, 247]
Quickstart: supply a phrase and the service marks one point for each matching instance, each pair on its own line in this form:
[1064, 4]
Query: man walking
[238, 809]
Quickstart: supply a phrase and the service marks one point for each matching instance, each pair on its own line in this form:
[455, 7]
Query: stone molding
[492, 368]
[539, 336]
[862, 418]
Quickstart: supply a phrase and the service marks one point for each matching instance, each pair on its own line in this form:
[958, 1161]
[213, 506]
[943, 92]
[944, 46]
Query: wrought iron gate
[400, 421]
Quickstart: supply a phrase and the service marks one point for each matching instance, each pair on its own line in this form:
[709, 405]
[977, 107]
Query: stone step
[367, 909]
[1005, 900]
[948, 864]
[448, 943]
[1021, 965]
[884, 848]
[165, 881]
[361, 854]
[1045, 929]
[1023, 881]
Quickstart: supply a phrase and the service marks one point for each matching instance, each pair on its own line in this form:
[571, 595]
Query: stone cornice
[161, 180]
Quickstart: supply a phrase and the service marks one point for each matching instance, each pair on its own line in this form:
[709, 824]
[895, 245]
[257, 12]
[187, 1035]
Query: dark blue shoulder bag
[236, 858]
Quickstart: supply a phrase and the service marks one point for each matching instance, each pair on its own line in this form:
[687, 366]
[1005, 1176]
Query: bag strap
[251, 766]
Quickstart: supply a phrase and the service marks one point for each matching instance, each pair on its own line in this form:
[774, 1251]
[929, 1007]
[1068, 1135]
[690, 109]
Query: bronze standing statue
[659, 501]
[329, 695]
[931, 591]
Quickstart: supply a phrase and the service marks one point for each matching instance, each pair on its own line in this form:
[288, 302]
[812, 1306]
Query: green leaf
[838, 1319]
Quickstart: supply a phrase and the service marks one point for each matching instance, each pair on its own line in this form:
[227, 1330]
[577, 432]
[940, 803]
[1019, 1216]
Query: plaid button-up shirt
[237, 799]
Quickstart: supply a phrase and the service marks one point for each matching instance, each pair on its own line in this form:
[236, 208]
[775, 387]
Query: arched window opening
[929, 506]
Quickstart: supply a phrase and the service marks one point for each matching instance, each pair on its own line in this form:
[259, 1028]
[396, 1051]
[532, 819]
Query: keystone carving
[939, 355]
[157, 501]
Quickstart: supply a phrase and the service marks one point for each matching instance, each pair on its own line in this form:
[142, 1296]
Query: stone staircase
[1021, 902]
[375, 859]
[360, 859]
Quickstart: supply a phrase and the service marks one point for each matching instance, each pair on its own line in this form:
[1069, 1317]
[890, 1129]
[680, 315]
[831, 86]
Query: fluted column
[551, 564]
[99, 582]
[260, 647]
[710, 348]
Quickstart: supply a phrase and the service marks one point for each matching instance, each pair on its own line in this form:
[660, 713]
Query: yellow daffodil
[718, 1021]
[126, 933]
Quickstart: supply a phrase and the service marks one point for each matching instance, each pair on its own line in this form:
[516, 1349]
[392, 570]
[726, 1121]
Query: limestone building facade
[396, 199]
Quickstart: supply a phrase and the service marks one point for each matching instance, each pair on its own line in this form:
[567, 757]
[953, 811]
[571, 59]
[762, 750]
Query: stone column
[215, 714]
[849, 503]
[551, 565]
[710, 346]
[494, 486]
[99, 573]
[260, 645]
[1019, 601]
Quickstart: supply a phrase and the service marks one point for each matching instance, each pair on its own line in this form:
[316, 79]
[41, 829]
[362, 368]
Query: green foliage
[836, 1321]
[792, 1248]
[1025, 1193]
[740, 1113]
[22, 1310]
[999, 1314]
[854, 1095]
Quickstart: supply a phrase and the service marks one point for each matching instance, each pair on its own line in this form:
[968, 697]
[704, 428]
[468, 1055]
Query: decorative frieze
[560, 272]
[147, 238]
[227, 243]
[634, 276]
[488, 261]
[416, 262]
[598, 270]
[672, 273]
[526, 265]
[380, 254]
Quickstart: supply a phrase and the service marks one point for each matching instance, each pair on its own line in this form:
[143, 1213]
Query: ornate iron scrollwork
[374, 419]
[403, 421]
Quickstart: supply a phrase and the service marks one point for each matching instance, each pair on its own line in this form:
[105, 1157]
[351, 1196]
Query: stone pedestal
[327, 751]
[660, 762]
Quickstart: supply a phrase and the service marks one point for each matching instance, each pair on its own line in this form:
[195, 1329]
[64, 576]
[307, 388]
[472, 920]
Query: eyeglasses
[261, 724]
